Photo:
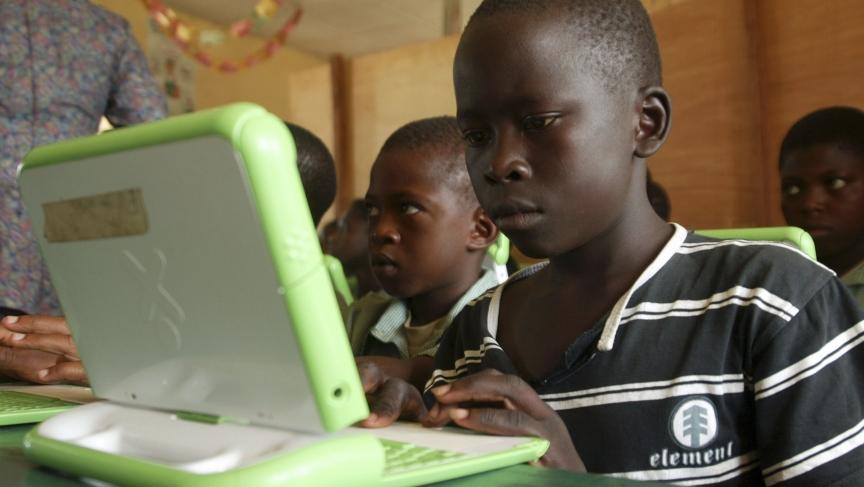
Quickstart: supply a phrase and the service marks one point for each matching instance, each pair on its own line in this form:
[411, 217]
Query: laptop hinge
[205, 418]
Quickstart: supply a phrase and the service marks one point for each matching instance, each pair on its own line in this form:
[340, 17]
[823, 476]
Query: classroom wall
[739, 73]
[292, 84]
[812, 56]
[710, 165]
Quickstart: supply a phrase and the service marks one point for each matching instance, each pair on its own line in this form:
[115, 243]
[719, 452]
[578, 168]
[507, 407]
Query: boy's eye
[408, 209]
[372, 210]
[837, 183]
[791, 189]
[474, 138]
[538, 122]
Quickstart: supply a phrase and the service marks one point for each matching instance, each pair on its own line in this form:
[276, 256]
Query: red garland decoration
[157, 8]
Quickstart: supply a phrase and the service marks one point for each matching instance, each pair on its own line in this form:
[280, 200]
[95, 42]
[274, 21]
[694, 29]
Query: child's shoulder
[372, 303]
[742, 255]
[728, 264]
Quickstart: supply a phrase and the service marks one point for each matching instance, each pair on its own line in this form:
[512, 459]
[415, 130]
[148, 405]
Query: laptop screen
[189, 270]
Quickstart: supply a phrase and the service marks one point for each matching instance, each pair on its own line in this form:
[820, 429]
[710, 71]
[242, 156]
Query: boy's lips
[383, 264]
[817, 230]
[515, 216]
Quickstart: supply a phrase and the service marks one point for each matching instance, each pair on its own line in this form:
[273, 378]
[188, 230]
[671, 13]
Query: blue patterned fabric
[63, 65]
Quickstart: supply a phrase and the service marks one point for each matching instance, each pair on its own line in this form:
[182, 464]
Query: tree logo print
[693, 423]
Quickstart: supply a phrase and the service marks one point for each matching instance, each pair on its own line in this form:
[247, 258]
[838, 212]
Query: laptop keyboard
[13, 402]
[21, 407]
[406, 456]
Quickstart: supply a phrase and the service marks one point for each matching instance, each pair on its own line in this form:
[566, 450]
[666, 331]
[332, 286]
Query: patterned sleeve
[449, 348]
[135, 96]
[466, 348]
[808, 386]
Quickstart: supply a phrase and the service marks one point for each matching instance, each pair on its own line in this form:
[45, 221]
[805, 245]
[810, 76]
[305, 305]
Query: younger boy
[40, 348]
[427, 240]
[822, 177]
[640, 350]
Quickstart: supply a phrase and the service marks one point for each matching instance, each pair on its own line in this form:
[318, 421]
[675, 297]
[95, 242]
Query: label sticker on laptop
[106, 215]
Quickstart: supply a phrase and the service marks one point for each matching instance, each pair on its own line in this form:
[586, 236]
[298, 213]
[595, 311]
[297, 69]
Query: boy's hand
[390, 398]
[39, 349]
[494, 403]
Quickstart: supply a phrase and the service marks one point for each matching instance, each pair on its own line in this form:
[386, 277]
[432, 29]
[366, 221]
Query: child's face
[351, 244]
[823, 193]
[327, 236]
[417, 226]
[550, 149]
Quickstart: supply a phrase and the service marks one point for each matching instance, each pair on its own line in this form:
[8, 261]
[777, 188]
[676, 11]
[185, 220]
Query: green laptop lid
[189, 270]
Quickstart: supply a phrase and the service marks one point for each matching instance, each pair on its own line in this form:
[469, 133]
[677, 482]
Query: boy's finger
[23, 364]
[37, 324]
[497, 422]
[71, 372]
[437, 416]
[370, 375]
[510, 390]
[395, 399]
[53, 343]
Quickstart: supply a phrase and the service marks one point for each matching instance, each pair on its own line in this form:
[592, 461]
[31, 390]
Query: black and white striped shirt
[727, 362]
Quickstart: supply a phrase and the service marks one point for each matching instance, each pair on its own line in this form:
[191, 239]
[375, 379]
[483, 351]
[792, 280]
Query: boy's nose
[508, 166]
[383, 230]
[814, 199]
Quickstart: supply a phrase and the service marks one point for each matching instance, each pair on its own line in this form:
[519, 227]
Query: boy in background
[822, 188]
[317, 170]
[350, 244]
[427, 240]
[40, 349]
[640, 350]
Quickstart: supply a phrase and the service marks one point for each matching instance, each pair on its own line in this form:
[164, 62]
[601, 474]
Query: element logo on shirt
[693, 423]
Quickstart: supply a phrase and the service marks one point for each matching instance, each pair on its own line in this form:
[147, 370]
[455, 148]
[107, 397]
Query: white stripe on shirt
[816, 456]
[715, 379]
[677, 390]
[809, 365]
[725, 470]
[690, 248]
[468, 357]
[738, 295]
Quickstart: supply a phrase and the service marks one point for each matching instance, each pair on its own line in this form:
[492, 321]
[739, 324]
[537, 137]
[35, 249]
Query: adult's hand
[39, 349]
[495, 403]
[390, 398]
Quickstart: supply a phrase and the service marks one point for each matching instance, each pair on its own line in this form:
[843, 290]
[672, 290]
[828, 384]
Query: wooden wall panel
[812, 56]
[392, 88]
[710, 164]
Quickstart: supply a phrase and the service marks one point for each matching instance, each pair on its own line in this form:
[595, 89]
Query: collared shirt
[728, 362]
[63, 65]
[376, 322]
[854, 281]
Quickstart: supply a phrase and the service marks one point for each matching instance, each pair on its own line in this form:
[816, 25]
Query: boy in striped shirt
[640, 350]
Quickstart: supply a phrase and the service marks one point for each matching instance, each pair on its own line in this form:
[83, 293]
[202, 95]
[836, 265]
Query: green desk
[17, 471]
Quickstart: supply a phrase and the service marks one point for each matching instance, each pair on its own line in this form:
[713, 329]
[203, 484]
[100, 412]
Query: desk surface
[18, 471]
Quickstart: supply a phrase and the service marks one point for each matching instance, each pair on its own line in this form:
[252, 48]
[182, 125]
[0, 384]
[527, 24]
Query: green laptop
[186, 261]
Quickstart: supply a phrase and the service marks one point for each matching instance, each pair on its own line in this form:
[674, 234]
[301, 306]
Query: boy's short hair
[841, 126]
[616, 38]
[317, 170]
[442, 137]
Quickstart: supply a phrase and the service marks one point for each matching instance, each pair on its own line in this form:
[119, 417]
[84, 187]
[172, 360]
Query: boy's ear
[483, 231]
[655, 119]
